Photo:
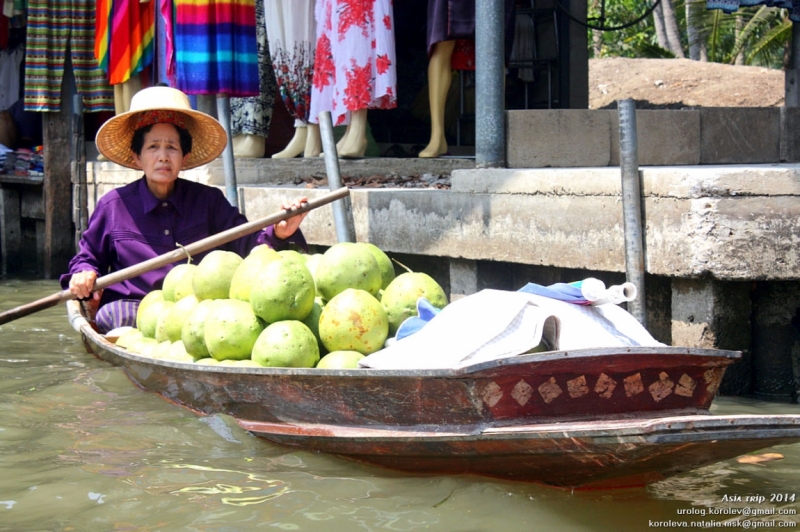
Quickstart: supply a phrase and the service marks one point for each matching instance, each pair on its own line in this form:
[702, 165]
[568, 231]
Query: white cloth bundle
[494, 324]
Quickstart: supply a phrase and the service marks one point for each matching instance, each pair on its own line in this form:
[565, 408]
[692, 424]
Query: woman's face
[162, 158]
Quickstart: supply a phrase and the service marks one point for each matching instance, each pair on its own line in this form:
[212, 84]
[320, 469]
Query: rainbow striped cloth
[52, 26]
[132, 25]
[215, 47]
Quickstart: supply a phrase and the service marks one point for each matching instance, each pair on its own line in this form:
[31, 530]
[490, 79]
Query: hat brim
[208, 138]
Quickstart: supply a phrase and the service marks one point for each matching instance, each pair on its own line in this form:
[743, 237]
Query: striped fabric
[132, 25]
[119, 313]
[215, 47]
[52, 26]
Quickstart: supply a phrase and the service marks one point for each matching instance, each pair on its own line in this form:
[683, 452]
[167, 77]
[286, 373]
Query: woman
[161, 135]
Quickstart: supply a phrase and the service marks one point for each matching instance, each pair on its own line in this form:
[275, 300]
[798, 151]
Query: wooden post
[11, 238]
[58, 139]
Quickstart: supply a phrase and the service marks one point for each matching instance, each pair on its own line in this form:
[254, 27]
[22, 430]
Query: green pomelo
[184, 285]
[147, 317]
[283, 290]
[161, 322]
[156, 296]
[311, 263]
[193, 331]
[247, 363]
[400, 297]
[231, 329]
[291, 254]
[256, 261]
[340, 360]
[177, 353]
[312, 322]
[128, 338]
[353, 321]
[286, 344]
[347, 265]
[161, 351]
[176, 317]
[175, 278]
[208, 361]
[385, 264]
[144, 346]
[212, 278]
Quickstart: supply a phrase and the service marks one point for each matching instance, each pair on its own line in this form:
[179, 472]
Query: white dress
[354, 65]
[291, 33]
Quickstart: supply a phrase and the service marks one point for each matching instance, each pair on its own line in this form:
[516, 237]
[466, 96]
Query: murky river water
[83, 449]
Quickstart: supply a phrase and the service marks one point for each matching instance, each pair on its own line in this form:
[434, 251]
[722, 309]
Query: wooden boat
[591, 418]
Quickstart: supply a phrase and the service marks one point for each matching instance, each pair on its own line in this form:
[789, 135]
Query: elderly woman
[161, 135]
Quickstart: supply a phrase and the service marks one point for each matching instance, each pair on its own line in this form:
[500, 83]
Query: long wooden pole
[173, 256]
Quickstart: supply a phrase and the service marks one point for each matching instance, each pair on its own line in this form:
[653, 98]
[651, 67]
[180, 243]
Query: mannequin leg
[123, 94]
[343, 140]
[296, 145]
[249, 146]
[313, 146]
[439, 76]
[355, 140]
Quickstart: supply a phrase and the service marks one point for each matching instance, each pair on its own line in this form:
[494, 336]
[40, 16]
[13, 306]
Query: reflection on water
[83, 449]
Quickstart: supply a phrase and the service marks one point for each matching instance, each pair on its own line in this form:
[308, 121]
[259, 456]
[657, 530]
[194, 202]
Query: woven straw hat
[155, 105]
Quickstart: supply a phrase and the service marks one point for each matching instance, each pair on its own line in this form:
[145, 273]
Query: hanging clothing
[166, 11]
[215, 47]
[10, 61]
[354, 63]
[252, 115]
[731, 6]
[53, 25]
[454, 20]
[124, 38]
[291, 31]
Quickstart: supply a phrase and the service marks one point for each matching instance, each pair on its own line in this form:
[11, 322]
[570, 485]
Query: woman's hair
[137, 142]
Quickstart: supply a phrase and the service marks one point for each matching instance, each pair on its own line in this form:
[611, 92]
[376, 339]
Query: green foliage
[762, 34]
[638, 40]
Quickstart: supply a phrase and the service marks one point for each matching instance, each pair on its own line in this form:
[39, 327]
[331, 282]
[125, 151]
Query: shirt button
[164, 204]
[166, 231]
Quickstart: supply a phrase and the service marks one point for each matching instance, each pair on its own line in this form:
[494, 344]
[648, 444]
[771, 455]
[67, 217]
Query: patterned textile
[354, 64]
[251, 116]
[730, 6]
[291, 33]
[52, 26]
[124, 37]
[215, 47]
[119, 313]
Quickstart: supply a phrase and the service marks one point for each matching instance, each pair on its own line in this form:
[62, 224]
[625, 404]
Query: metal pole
[224, 113]
[490, 124]
[632, 206]
[342, 209]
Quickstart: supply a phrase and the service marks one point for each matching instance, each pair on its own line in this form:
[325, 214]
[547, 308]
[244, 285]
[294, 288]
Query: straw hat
[161, 104]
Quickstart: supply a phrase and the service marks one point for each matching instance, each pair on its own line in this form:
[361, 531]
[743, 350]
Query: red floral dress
[354, 64]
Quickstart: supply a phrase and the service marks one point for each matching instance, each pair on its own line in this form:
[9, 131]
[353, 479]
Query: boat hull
[592, 418]
[582, 455]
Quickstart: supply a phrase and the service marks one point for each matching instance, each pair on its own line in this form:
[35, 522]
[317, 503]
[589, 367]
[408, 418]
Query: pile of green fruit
[279, 309]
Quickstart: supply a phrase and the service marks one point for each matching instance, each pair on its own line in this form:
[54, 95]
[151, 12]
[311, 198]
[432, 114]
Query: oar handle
[176, 255]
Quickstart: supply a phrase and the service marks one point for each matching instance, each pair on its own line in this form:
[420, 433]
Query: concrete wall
[590, 138]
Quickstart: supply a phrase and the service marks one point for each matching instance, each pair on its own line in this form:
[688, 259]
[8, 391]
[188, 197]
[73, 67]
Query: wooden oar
[173, 256]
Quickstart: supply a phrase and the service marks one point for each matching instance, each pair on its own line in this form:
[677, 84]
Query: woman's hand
[82, 283]
[286, 228]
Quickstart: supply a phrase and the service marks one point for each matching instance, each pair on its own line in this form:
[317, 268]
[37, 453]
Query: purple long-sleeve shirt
[130, 225]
